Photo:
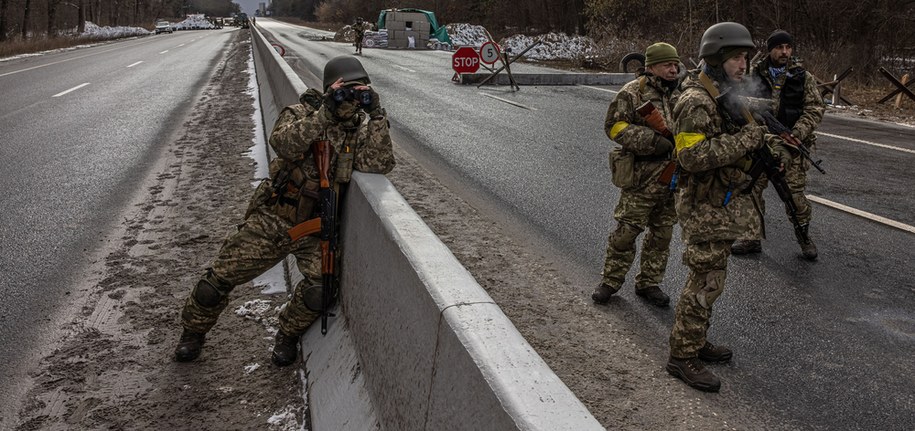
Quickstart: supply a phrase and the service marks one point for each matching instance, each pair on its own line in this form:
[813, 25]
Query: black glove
[330, 102]
[662, 146]
[371, 103]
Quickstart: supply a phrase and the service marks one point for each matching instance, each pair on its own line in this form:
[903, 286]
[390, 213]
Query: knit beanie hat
[777, 38]
[659, 53]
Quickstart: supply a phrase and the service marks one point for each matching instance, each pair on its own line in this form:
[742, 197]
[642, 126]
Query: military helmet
[722, 37]
[346, 67]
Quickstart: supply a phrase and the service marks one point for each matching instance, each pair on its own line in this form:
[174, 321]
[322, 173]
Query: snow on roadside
[553, 46]
[194, 22]
[467, 35]
[93, 31]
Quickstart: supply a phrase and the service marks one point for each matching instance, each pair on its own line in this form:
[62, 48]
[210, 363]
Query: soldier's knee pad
[711, 289]
[310, 295]
[659, 237]
[210, 292]
[624, 236]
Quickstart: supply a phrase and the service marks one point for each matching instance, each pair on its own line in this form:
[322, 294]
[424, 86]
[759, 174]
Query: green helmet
[722, 40]
[346, 67]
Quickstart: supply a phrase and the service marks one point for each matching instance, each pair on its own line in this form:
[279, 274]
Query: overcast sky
[249, 6]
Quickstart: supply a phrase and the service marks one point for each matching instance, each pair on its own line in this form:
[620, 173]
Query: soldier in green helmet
[349, 115]
[638, 164]
[712, 149]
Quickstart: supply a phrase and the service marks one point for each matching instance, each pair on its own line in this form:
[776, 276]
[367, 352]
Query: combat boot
[746, 246]
[285, 350]
[189, 346]
[693, 373]
[654, 295]
[808, 248]
[602, 293]
[712, 353]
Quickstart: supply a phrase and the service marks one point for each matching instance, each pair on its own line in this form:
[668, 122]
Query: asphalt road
[825, 345]
[80, 129]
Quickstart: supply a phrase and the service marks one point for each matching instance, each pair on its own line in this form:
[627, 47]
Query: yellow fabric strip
[617, 128]
[686, 140]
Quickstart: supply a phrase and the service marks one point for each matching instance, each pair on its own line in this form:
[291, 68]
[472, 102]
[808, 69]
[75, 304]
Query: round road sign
[489, 52]
[465, 60]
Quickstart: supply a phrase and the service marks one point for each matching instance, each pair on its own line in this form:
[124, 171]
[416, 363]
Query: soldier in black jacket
[797, 104]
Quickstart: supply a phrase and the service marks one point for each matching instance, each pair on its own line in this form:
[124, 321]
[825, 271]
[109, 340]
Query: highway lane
[823, 345]
[80, 129]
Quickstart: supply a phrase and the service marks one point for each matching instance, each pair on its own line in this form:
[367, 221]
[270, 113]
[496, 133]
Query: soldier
[645, 200]
[797, 105]
[357, 128]
[712, 149]
[359, 27]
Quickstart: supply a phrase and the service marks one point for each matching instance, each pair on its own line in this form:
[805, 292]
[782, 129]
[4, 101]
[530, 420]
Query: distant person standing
[360, 27]
[639, 166]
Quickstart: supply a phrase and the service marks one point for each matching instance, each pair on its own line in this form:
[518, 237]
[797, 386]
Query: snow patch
[273, 281]
[254, 309]
[194, 22]
[553, 46]
[463, 34]
[95, 32]
[286, 419]
[250, 368]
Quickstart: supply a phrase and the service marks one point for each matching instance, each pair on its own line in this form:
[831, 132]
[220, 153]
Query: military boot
[746, 246]
[654, 295]
[712, 353]
[285, 350]
[693, 373]
[189, 346]
[808, 248]
[602, 293]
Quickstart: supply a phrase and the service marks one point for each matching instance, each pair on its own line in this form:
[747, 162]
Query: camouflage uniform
[799, 106]
[262, 240]
[712, 151]
[645, 202]
[359, 28]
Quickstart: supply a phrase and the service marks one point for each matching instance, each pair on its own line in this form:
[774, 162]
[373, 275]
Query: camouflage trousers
[634, 213]
[708, 263]
[796, 178]
[259, 244]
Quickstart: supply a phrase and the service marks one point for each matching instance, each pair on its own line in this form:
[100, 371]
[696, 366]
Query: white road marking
[58, 62]
[72, 89]
[163, 52]
[861, 141]
[132, 65]
[509, 102]
[860, 213]
[403, 68]
[179, 46]
[601, 89]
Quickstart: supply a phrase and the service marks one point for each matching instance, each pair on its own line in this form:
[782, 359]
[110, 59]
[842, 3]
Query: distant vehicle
[228, 22]
[164, 26]
[241, 20]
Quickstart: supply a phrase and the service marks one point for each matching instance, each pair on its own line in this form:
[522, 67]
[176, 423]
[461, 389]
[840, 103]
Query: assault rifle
[325, 225]
[653, 118]
[777, 128]
[764, 162]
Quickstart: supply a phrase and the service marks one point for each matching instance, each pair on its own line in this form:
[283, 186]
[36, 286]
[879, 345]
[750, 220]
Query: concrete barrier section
[418, 344]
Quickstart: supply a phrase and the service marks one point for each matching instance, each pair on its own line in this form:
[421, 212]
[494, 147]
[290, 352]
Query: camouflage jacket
[713, 153]
[800, 94]
[627, 128]
[359, 144]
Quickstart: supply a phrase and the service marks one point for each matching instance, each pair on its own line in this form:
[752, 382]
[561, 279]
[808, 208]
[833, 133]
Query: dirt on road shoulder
[113, 368]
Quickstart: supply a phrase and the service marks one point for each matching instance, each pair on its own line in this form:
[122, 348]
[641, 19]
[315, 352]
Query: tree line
[830, 35]
[24, 19]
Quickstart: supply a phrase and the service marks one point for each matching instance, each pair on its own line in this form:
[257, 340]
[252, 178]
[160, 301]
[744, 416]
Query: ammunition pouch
[344, 169]
[293, 194]
[622, 168]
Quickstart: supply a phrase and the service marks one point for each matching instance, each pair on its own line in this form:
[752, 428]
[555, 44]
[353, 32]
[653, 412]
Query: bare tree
[4, 4]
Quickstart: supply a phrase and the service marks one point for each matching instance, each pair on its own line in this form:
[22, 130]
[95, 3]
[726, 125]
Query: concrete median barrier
[418, 343]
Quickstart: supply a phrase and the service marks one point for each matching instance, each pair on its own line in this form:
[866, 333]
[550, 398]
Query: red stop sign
[465, 60]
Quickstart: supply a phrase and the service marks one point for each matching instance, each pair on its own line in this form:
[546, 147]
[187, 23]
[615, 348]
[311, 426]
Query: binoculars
[363, 97]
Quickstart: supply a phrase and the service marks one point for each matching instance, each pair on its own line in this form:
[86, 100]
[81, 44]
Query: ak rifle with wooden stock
[325, 225]
[653, 118]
